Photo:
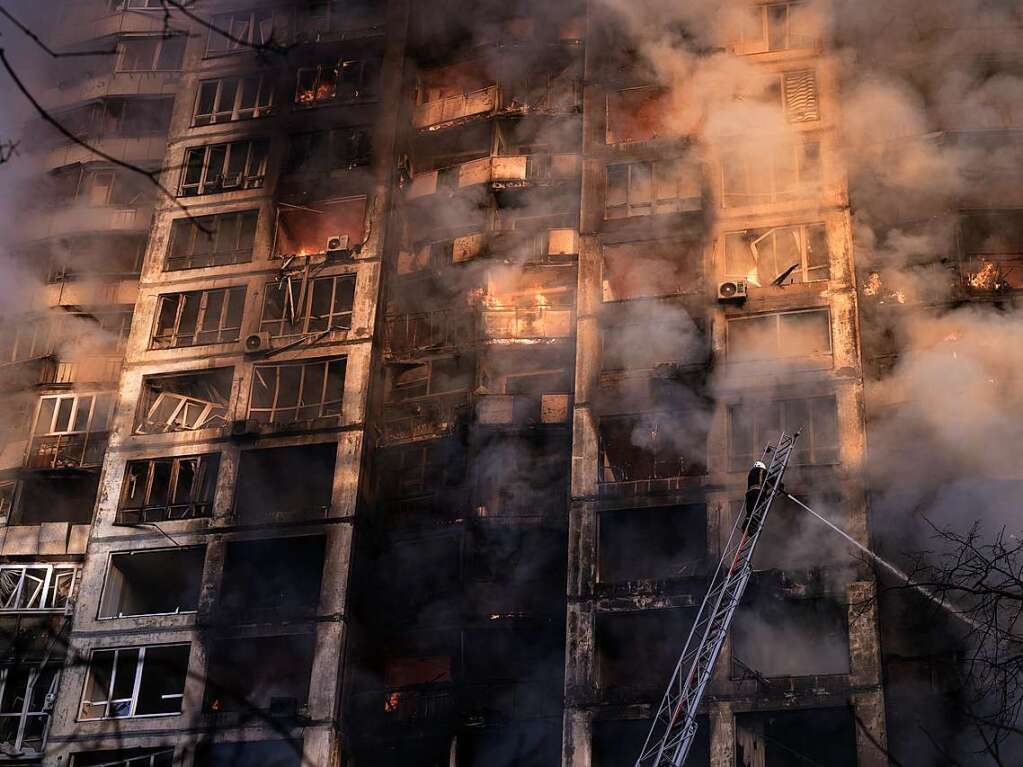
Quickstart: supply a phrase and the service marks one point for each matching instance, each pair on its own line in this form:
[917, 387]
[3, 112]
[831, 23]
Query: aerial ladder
[674, 727]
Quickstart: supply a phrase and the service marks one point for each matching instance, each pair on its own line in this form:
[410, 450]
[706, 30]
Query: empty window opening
[421, 482]
[637, 651]
[162, 489]
[786, 738]
[305, 230]
[159, 582]
[992, 245]
[421, 574]
[184, 402]
[114, 256]
[26, 699]
[297, 392]
[298, 307]
[652, 446]
[752, 177]
[271, 580]
[792, 540]
[37, 587]
[252, 753]
[787, 335]
[652, 336]
[645, 188]
[337, 81]
[224, 167]
[199, 317]
[661, 542]
[70, 431]
[651, 268]
[329, 150]
[135, 681]
[56, 499]
[617, 742]
[638, 114]
[264, 674]
[233, 98]
[525, 744]
[284, 481]
[217, 240]
[520, 478]
[130, 757]
[753, 425]
[151, 54]
[760, 256]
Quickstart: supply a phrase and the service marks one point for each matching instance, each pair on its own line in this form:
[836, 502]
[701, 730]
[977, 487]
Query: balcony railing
[527, 322]
[502, 171]
[67, 451]
[441, 111]
[408, 334]
[424, 417]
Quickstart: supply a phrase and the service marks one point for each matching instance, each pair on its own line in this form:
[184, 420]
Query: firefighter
[754, 483]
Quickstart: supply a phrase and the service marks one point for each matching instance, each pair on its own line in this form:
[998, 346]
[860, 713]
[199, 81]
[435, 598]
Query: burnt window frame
[200, 159]
[653, 204]
[192, 228]
[807, 272]
[262, 106]
[200, 496]
[806, 161]
[354, 144]
[228, 319]
[111, 703]
[282, 327]
[324, 406]
[731, 322]
[762, 431]
[364, 88]
[150, 400]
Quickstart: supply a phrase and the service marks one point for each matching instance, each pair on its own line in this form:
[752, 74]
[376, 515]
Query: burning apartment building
[404, 422]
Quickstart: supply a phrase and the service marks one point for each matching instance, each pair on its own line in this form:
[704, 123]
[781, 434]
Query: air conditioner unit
[337, 246]
[732, 292]
[256, 343]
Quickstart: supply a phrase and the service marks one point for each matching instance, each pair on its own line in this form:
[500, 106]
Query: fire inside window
[337, 81]
[759, 256]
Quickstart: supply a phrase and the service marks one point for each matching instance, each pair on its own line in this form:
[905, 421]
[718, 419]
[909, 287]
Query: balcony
[443, 113]
[144, 150]
[107, 83]
[535, 323]
[95, 370]
[500, 172]
[424, 417]
[67, 451]
[87, 219]
[523, 409]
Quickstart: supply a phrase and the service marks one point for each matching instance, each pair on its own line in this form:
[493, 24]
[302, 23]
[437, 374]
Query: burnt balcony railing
[424, 417]
[406, 335]
[67, 451]
[500, 171]
[433, 114]
[527, 322]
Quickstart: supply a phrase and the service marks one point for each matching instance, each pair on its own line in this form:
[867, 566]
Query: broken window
[272, 580]
[154, 582]
[992, 245]
[337, 82]
[777, 27]
[778, 336]
[637, 651]
[753, 425]
[645, 188]
[233, 98]
[637, 114]
[293, 392]
[132, 757]
[70, 430]
[294, 307]
[760, 256]
[433, 378]
[217, 240]
[279, 482]
[617, 742]
[251, 753]
[67, 498]
[420, 482]
[151, 54]
[27, 692]
[264, 674]
[751, 176]
[224, 167]
[135, 681]
[304, 230]
[328, 150]
[652, 446]
[793, 541]
[651, 268]
[33, 587]
[162, 489]
[652, 543]
[242, 31]
[198, 317]
[787, 738]
[184, 402]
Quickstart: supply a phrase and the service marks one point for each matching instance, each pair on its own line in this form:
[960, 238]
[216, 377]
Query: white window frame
[225, 332]
[41, 583]
[23, 716]
[263, 105]
[321, 404]
[242, 26]
[750, 159]
[249, 178]
[52, 429]
[110, 704]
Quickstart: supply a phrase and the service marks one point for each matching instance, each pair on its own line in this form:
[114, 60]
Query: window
[645, 188]
[184, 402]
[108, 255]
[218, 240]
[327, 17]
[135, 681]
[992, 243]
[258, 753]
[651, 268]
[66, 499]
[760, 255]
[151, 54]
[303, 230]
[637, 114]
[752, 176]
[264, 673]
[139, 5]
[327, 305]
[136, 116]
[36, 587]
[284, 483]
[25, 339]
[799, 96]
[337, 149]
[298, 391]
[224, 167]
[337, 81]
[776, 336]
[162, 489]
[233, 98]
[272, 580]
[673, 540]
[753, 425]
[777, 27]
[63, 425]
[27, 691]
[199, 317]
[652, 446]
[240, 31]
[156, 582]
